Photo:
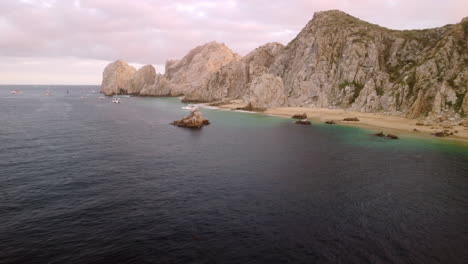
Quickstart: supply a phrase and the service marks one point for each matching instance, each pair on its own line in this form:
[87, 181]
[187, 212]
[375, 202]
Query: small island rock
[193, 120]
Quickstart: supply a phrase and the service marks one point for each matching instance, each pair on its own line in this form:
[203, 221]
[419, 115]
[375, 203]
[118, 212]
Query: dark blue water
[83, 180]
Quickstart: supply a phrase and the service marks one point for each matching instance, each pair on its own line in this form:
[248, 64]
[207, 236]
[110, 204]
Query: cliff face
[336, 61]
[340, 61]
[233, 80]
[191, 72]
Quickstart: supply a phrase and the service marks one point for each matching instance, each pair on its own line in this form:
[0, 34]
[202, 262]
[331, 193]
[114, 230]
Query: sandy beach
[375, 121]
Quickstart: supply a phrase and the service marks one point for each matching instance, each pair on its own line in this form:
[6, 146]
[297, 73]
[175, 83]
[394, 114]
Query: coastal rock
[233, 80]
[340, 61]
[161, 87]
[193, 120]
[441, 134]
[351, 119]
[389, 136]
[303, 122]
[330, 122]
[380, 134]
[266, 91]
[192, 71]
[142, 79]
[299, 116]
[116, 78]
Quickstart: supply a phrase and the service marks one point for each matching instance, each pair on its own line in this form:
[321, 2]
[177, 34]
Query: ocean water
[83, 180]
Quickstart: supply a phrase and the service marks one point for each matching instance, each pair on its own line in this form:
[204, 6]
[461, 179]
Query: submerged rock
[380, 134]
[303, 122]
[330, 122]
[389, 136]
[193, 120]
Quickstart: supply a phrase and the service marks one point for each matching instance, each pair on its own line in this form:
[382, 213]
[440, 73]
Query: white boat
[116, 101]
[13, 92]
[102, 97]
[190, 107]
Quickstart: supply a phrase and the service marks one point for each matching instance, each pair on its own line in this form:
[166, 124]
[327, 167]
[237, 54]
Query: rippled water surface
[83, 180]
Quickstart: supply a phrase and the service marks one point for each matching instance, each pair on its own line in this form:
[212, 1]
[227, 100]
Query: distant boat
[102, 97]
[13, 92]
[48, 92]
[116, 101]
[16, 92]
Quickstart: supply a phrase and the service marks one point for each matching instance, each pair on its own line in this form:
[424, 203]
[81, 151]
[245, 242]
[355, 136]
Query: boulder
[352, 119]
[380, 134]
[303, 122]
[299, 116]
[441, 134]
[391, 136]
[193, 120]
[330, 122]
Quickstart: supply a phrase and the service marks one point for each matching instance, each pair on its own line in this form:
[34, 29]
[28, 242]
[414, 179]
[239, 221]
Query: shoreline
[373, 121]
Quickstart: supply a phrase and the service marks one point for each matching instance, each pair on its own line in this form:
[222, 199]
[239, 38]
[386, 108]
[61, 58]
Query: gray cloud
[152, 31]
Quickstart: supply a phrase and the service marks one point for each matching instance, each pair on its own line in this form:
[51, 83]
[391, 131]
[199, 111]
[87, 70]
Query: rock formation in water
[121, 78]
[194, 120]
[336, 61]
[116, 78]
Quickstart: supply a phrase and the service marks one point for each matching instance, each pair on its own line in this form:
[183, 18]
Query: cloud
[152, 31]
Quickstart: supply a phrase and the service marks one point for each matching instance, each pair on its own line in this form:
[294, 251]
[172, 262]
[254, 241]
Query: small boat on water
[190, 107]
[102, 97]
[16, 92]
[48, 92]
[116, 101]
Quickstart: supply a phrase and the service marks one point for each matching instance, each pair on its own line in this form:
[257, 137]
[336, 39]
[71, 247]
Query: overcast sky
[71, 41]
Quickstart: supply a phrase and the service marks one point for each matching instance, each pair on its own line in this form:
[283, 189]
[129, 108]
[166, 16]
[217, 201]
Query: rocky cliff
[336, 61]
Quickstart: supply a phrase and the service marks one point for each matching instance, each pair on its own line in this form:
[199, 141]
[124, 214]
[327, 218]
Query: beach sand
[375, 121]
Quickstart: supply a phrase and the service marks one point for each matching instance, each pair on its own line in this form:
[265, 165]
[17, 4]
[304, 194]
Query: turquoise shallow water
[83, 180]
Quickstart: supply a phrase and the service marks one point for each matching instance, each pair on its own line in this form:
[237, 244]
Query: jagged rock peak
[192, 71]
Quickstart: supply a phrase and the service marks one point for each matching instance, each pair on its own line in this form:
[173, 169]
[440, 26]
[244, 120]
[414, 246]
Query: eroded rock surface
[116, 78]
[194, 120]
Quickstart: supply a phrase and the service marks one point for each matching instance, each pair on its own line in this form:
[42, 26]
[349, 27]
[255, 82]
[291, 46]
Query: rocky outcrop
[116, 78]
[121, 78]
[160, 87]
[193, 120]
[233, 80]
[266, 91]
[340, 61]
[192, 71]
[299, 116]
[142, 79]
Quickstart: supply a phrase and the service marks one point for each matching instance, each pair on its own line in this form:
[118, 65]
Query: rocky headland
[336, 62]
